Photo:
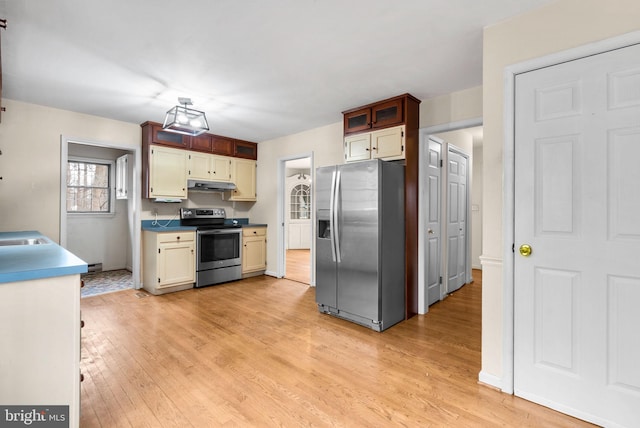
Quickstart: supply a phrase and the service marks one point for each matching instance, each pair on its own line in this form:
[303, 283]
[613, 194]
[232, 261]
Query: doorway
[109, 240]
[296, 211]
[449, 211]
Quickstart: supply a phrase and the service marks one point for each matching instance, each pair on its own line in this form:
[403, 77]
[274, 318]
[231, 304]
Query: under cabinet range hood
[211, 186]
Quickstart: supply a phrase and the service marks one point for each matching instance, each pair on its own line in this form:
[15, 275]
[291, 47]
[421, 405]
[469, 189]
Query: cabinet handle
[366, 150]
[178, 238]
[255, 232]
[374, 148]
[81, 377]
[81, 323]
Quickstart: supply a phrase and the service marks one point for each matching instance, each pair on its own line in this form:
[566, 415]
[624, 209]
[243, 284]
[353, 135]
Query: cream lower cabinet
[167, 173]
[40, 345]
[254, 251]
[169, 261]
[243, 174]
[385, 144]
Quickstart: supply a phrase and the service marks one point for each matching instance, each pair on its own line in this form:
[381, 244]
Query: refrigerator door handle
[331, 216]
[336, 224]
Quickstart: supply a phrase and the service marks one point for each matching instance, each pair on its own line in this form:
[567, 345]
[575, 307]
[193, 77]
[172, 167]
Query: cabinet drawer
[175, 237]
[254, 231]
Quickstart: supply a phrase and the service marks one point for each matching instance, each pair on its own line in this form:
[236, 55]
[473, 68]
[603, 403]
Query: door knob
[430, 231]
[525, 250]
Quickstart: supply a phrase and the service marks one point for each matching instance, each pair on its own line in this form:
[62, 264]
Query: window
[300, 202]
[88, 186]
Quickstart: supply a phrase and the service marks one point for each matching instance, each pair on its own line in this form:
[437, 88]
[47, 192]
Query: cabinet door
[386, 114]
[221, 170]
[167, 138]
[359, 120]
[176, 263]
[243, 174]
[388, 143]
[199, 166]
[221, 145]
[245, 149]
[357, 147]
[201, 143]
[168, 173]
[122, 168]
[254, 253]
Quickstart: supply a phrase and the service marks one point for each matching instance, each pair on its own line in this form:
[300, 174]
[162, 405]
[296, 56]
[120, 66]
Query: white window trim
[112, 187]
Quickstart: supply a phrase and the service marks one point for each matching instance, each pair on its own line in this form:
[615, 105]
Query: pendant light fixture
[184, 120]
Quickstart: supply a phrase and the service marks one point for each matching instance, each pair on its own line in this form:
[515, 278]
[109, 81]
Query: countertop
[26, 262]
[174, 225]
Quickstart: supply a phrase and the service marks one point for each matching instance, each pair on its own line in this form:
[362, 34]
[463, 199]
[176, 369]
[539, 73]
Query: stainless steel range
[218, 245]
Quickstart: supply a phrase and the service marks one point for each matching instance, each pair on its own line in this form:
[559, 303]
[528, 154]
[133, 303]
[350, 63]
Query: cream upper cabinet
[357, 147]
[205, 166]
[221, 168]
[167, 172]
[199, 166]
[386, 144]
[243, 174]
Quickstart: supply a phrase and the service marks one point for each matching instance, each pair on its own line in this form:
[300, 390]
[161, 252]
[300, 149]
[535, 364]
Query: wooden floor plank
[257, 352]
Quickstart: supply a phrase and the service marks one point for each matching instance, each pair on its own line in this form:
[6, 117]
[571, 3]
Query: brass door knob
[525, 250]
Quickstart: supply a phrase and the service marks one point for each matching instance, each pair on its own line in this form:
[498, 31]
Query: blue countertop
[26, 262]
[174, 225]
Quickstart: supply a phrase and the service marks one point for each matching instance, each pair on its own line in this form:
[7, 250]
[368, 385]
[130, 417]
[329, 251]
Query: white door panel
[456, 223]
[577, 204]
[433, 246]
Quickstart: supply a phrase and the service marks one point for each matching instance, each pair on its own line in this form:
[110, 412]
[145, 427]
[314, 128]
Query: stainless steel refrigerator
[360, 262]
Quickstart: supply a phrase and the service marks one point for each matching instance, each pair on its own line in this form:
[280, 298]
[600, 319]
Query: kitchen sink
[23, 241]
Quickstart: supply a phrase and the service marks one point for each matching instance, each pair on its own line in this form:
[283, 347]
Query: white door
[456, 220]
[433, 209]
[577, 205]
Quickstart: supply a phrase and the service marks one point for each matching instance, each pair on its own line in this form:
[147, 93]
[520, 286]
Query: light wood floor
[298, 266]
[258, 353]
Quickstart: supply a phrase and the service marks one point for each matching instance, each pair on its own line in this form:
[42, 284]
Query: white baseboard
[490, 380]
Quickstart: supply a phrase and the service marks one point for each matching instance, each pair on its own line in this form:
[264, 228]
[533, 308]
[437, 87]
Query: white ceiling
[260, 69]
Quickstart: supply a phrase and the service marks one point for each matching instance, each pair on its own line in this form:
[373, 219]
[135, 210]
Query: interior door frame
[506, 383]
[136, 192]
[281, 254]
[424, 135]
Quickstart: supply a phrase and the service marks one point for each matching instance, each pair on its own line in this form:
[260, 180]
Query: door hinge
[513, 247]
[158, 250]
[158, 280]
[402, 134]
[441, 163]
[440, 280]
[402, 148]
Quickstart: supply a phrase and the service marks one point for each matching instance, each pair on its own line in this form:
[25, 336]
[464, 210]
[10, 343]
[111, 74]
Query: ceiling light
[184, 120]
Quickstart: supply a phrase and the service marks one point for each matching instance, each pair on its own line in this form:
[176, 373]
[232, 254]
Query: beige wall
[30, 160]
[455, 107]
[558, 26]
[326, 145]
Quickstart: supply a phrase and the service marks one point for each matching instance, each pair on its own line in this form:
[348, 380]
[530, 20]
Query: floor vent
[95, 267]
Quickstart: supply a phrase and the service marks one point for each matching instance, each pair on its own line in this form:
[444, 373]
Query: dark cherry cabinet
[383, 114]
[201, 143]
[221, 145]
[152, 133]
[245, 149]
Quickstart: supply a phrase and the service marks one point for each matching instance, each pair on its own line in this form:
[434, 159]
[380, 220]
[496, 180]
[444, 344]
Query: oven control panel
[194, 213]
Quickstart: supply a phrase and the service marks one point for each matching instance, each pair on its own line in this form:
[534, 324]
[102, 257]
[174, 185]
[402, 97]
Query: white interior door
[432, 213]
[456, 220]
[577, 204]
